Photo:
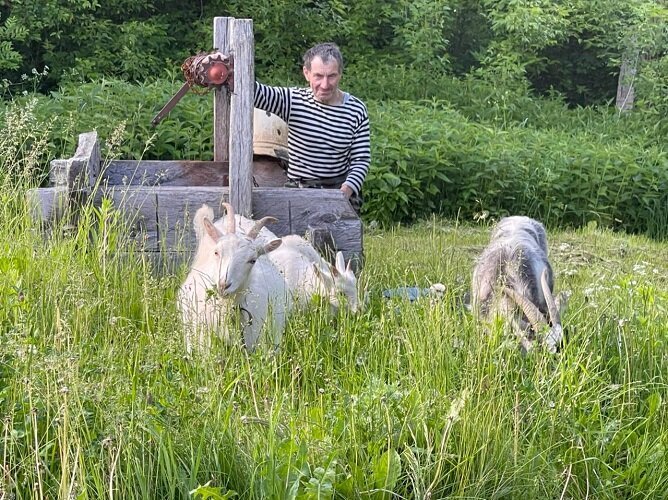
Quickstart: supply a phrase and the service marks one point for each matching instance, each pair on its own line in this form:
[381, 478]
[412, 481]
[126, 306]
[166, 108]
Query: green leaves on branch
[11, 32]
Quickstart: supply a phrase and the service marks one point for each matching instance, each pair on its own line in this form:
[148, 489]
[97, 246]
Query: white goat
[231, 270]
[307, 274]
[513, 279]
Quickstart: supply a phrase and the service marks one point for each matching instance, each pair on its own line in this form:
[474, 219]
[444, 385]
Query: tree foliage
[574, 47]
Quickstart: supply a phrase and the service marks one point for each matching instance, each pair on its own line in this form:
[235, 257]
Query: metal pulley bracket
[206, 70]
[210, 70]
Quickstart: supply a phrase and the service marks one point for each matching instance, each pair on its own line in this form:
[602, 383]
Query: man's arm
[360, 158]
[273, 99]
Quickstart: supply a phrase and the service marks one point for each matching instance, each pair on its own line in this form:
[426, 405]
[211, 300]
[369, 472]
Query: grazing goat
[307, 274]
[231, 270]
[513, 279]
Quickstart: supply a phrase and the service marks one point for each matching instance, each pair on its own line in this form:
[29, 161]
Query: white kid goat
[513, 279]
[307, 274]
[231, 270]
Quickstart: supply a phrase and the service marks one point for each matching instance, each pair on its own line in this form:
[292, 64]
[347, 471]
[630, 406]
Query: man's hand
[347, 190]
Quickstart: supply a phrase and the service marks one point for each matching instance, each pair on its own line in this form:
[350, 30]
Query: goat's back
[295, 259]
[515, 257]
[520, 227]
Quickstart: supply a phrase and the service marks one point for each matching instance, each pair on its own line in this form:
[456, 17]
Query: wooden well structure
[159, 198]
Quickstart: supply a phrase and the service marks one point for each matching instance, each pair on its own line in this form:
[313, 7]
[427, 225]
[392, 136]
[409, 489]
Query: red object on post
[206, 70]
[217, 73]
[210, 70]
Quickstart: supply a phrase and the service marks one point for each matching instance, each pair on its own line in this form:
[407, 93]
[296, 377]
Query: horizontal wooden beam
[266, 172]
[160, 217]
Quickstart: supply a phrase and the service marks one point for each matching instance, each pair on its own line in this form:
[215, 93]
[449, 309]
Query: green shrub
[566, 167]
[429, 157]
[186, 133]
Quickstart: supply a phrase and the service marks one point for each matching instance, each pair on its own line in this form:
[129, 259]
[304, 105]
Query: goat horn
[252, 234]
[530, 310]
[230, 225]
[549, 298]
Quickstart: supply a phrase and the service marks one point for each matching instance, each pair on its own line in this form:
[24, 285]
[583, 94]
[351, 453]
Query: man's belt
[328, 183]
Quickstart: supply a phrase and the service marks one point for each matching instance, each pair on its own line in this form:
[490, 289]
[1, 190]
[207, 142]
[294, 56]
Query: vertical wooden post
[221, 97]
[241, 117]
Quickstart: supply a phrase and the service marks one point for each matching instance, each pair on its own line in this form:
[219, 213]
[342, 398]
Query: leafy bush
[186, 133]
[572, 167]
[428, 157]
[653, 94]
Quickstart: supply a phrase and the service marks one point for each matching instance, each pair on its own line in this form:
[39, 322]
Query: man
[328, 129]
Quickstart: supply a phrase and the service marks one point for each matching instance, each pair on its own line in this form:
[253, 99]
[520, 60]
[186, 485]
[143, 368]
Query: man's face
[324, 80]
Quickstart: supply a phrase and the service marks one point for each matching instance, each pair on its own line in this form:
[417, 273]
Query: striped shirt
[324, 140]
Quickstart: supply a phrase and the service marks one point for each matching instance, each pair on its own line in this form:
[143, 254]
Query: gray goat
[513, 279]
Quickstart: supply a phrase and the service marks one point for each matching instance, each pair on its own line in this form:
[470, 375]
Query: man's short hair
[326, 52]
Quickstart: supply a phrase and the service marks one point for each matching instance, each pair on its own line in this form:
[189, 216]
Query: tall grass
[407, 400]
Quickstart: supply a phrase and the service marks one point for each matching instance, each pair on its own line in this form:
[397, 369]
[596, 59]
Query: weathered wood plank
[297, 211]
[266, 173]
[165, 173]
[165, 213]
[82, 170]
[221, 97]
[307, 201]
[176, 208]
[161, 217]
[57, 205]
[139, 206]
[48, 205]
[241, 117]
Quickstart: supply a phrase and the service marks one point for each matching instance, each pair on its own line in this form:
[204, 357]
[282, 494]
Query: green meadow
[406, 400]
[99, 399]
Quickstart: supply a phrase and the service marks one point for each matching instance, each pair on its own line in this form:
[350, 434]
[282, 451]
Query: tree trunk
[627, 76]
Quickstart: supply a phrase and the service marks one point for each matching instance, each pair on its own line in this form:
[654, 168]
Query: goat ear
[327, 278]
[211, 230]
[340, 262]
[198, 219]
[271, 246]
[335, 270]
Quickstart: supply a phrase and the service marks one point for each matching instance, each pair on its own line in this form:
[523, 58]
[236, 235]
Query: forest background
[556, 109]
